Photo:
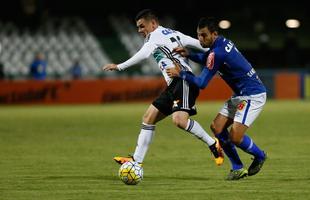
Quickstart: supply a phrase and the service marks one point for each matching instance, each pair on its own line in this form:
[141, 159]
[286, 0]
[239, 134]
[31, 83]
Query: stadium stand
[62, 41]
[101, 35]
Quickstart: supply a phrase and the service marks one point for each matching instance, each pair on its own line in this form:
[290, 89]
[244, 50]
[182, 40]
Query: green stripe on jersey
[158, 55]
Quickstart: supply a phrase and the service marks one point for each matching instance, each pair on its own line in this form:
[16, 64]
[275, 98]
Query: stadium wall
[95, 91]
[281, 86]
[306, 86]
[79, 91]
[287, 85]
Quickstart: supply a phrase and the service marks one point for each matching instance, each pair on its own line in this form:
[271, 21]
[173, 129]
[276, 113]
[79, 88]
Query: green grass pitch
[65, 152]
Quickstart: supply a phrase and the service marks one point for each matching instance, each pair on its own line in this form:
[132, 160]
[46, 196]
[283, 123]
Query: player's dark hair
[210, 22]
[147, 14]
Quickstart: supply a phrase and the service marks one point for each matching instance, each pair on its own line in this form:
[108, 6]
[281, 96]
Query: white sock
[144, 140]
[194, 128]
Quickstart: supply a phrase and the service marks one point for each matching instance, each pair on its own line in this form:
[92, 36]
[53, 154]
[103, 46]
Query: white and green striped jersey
[160, 43]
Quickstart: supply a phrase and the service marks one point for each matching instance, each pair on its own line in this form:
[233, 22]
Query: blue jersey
[38, 69]
[223, 57]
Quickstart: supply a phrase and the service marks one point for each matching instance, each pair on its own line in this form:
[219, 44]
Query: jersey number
[167, 31]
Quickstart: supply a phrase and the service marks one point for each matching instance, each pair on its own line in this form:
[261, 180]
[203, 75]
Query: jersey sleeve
[209, 70]
[142, 54]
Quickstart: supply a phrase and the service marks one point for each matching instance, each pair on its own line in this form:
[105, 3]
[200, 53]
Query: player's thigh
[184, 96]
[229, 109]
[220, 123]
[224, 118]
[249, 109]
[152, 115]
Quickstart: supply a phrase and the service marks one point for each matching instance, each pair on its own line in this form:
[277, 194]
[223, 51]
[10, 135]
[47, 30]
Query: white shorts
[244, 109]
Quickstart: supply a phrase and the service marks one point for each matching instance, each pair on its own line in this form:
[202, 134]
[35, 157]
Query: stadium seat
[63, 41]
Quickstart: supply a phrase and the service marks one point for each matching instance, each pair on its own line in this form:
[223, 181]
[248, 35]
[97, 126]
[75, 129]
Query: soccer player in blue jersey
[242, 108]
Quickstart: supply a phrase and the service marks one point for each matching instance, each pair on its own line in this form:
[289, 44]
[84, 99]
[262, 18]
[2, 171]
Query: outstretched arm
[110, 67]
[142, 54]
[204, 77]
[201, 81]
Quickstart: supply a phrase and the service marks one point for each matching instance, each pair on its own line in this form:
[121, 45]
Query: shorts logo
[241, 105]
[210, 61]
[175, 103]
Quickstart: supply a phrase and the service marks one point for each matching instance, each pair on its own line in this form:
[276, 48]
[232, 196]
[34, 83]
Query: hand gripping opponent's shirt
[223, 57]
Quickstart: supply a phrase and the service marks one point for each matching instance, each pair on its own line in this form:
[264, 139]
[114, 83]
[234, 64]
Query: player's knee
[179, 121]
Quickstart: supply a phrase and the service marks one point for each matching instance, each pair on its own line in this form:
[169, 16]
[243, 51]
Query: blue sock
[250, 147]
[229, 149]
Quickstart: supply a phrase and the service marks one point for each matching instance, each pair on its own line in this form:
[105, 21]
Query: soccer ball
[131, 173]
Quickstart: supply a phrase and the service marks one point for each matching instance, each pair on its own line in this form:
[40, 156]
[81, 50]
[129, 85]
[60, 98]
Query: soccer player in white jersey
[179, 97]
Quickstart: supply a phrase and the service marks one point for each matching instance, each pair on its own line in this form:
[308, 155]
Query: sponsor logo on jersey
[175, 103]
[241, 105]
[210, 61]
